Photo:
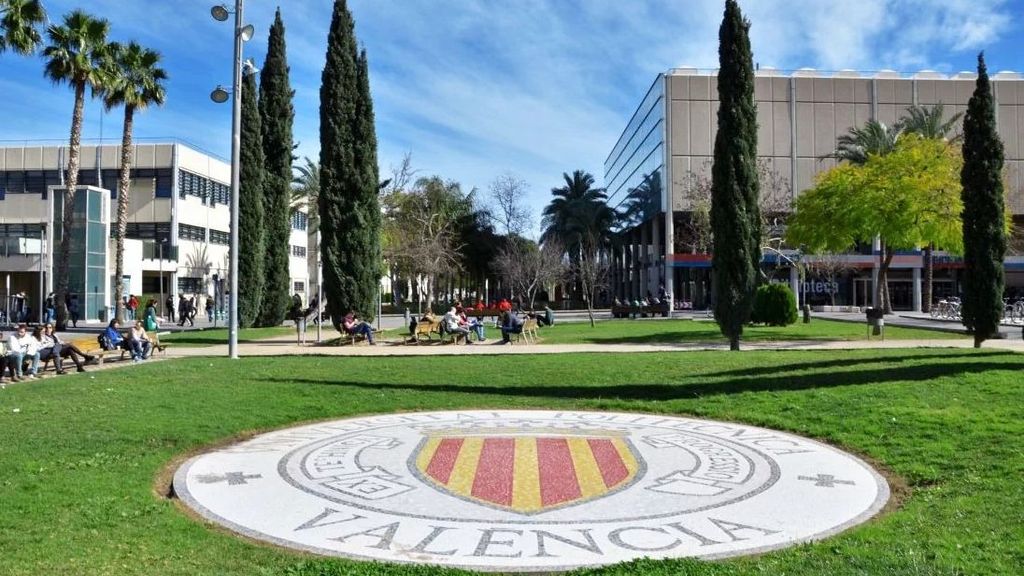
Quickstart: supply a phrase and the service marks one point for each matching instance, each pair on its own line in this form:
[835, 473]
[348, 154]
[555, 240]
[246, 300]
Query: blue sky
[478, 88]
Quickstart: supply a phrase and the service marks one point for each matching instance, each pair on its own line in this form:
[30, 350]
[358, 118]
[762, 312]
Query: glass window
[299, 251]
[300, 221]
[193, 233]
[219, 237]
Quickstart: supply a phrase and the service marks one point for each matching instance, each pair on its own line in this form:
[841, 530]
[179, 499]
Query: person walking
[192, 311]
[182, 310]
[169, 306]
[209, 309]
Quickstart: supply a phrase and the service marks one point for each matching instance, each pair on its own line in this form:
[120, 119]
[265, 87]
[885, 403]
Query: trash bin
[876, 321]
[104, 313]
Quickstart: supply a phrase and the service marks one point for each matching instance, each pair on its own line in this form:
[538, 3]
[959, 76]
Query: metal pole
[42, 285]
[236, 141]
[162, 303]
[319, 297]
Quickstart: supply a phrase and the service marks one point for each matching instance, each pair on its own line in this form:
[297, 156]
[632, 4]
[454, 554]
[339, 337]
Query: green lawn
[674, 331]
[215, 336]
[80, 459]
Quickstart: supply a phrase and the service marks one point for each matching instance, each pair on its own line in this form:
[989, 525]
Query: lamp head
[220, 95]
[219, 12]
[247, 32]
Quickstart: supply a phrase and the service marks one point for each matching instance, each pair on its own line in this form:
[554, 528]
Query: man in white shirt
[22, 346]
[452, 325]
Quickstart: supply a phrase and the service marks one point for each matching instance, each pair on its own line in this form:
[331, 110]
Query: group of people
[50, 309]
[187, 309]
[137, 341]
[463, 321]
[21, 352]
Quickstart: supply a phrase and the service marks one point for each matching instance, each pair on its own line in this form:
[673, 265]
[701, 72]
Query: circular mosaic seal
[530, 490]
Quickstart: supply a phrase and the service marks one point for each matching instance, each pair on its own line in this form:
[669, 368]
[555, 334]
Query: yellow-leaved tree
[909, 197]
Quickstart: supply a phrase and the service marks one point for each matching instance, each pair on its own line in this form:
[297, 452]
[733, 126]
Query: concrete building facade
[178, 232]
[666, 150]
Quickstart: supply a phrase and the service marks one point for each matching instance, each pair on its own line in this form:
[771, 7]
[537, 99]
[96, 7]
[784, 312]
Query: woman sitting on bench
[353, 326]
[68, 350]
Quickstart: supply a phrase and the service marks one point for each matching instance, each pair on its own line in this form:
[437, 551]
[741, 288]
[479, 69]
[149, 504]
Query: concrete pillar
[794, 283]
[656, 273]
[670, 243]
[645, 259]
[917, 289]
[634, 280]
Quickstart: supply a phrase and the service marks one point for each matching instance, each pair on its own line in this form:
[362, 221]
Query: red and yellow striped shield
[527, 474]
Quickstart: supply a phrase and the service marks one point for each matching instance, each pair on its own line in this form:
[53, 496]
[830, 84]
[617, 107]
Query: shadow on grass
[752, 382]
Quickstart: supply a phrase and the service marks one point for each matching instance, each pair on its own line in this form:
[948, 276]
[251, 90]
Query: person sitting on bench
[68, 350]
[110, 339]
[139, 342]
[49, 349]
[510, 324]
[353, 326]
[453, 326]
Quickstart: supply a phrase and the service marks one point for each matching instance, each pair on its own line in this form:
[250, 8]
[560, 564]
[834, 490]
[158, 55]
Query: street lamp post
[162, 303]
[242, 33]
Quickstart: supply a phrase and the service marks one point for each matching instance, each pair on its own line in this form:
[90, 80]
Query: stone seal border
[198, 485]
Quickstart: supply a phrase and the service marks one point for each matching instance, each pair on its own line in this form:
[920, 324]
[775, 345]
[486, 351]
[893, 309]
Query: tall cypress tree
[276, 117]
[735, 213]
[349, 213]
[983, 217]
[250, 208]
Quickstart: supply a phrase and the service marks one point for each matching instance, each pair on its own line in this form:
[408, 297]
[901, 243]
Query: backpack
[104, 341]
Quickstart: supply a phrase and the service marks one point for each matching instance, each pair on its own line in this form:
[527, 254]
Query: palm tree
[570, 207]
[135, 83]
[18, 25]
[306, 192]
[74, 56]
[578, 212]
[861, 142]
[928, 123]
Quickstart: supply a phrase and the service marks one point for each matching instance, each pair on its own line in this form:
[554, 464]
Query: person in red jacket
[504, 305]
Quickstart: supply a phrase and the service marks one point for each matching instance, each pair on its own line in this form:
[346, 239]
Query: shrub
[774, 305]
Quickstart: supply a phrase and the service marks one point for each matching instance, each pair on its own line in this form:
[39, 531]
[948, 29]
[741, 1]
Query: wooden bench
[354, 338]
[426, 327]
[530, 330]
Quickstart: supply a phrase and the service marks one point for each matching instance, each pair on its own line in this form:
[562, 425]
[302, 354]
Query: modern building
[178, 226]
[663, 159]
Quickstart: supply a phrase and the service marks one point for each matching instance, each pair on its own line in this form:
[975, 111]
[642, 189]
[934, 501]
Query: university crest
[526, 472]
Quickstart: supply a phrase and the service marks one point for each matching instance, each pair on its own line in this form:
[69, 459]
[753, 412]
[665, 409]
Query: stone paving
[530, 491]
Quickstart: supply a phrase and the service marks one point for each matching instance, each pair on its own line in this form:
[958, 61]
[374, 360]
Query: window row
[209, 191]
[39, 181]
[219, 237]
[298, 251]
[193, 233]
[300, 220]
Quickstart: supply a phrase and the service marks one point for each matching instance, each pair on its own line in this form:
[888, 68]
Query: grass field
[81, 457]
[673, 331]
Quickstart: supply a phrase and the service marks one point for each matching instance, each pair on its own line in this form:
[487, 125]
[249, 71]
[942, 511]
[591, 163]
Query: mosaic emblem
[530, 490]
[527, 473]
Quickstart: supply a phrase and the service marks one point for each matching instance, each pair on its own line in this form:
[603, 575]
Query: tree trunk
[883, 280]
[734, 342]
[929, 271]
[68, 217]
[123, 186]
